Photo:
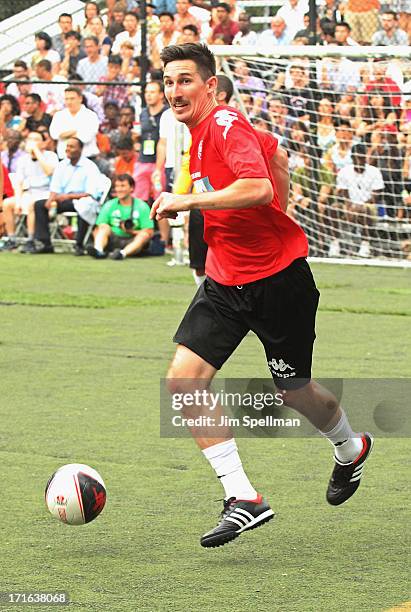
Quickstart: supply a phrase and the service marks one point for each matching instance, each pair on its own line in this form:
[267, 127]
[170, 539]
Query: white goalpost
[331, 106]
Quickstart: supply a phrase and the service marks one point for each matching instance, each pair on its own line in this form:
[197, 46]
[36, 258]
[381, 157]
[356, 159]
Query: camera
[128, 224]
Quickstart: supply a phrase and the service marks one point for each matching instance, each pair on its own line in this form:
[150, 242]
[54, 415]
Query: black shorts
[197, 247]
[279, 309]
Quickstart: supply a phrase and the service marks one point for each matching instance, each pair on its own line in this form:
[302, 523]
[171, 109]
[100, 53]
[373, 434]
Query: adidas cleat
[346, 477]
[237, 516]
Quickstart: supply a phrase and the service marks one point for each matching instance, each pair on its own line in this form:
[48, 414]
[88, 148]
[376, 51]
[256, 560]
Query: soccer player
[257, 279]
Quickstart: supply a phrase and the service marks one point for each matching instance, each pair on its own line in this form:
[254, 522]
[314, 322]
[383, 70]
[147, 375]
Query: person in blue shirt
[75, 177]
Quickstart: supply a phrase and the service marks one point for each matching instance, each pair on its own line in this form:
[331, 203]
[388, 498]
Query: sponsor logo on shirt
[225, 118]
[202, 185]
[200, 149]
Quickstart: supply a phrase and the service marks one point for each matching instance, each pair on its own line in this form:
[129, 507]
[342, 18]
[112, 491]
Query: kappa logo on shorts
[279, 368]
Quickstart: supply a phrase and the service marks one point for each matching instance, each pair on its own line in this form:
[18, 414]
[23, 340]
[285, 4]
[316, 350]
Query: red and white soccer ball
[75, 494]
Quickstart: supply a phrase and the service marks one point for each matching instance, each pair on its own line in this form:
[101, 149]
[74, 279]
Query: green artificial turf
[83, 345]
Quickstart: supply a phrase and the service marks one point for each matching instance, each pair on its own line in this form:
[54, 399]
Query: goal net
[344, 116]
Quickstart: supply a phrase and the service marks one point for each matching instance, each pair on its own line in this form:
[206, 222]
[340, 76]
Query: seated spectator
[90, 100]
[245, 35]
[277, 111]
[117, 18]
[390, 34]
[75, 178]
[339, 155]
[325, 129]
[190, 34]
[362, 16]
[342, 35]
[385, 155]
[246, 81]
[99, 31]
[111, 118]
[225, 26]
[123, 224]
[292, 11]
[10, 117]
[91, 10]
[360, 186]
[330, 10]
[132, 33]
[94, 66]
[183, 16]
[339, 75]
[127, 157]
[51, 91]
[72, 54]
[24, 87]
[31, 183]
[299, 97]
[11, 154]
[58, 41]
[153, 22]
[20, 71]
[77, 121]
[44, 51]
[127, 127]
[168, 35]
[377, 115]
[405, 118]
[278, 34]
[35, 116]
[381, 81]
[117, 93]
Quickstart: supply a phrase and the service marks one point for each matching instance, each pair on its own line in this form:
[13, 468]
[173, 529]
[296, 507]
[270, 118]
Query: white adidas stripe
[245, 512]
[355, 478]
[234, 520]
[240, 517]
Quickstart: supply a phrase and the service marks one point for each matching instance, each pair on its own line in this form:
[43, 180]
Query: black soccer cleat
[346, 477]
[237, 516]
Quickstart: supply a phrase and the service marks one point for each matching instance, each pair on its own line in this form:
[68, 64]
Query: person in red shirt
[257, 279]
[225, 27]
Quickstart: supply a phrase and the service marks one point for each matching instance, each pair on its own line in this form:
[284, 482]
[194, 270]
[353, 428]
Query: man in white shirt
[94, 66]
[132, 33]
[278, 34]
[293, 14]
[75, 120]
[360, 185]
[31, 182]
[245, 36]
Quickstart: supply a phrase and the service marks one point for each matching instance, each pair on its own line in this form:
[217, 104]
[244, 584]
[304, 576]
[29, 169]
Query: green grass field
[83, 345]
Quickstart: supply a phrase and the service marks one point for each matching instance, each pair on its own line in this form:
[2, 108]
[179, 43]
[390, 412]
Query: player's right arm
[281, 175]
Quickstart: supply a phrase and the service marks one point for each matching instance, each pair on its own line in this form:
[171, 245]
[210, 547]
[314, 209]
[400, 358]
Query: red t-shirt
[8, 190]
[245, 244]
[228, 30]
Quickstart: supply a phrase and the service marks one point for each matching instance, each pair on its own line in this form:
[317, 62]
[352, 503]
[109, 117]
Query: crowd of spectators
[346, 123]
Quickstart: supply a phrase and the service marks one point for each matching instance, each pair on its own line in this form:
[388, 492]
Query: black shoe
[237, 516]
[93, 252]
[117, 255]
[46, 248]
[78, 251]
[29, 247]
[346, 477]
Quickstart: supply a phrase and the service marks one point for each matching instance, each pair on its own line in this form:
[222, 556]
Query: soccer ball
[75, 494]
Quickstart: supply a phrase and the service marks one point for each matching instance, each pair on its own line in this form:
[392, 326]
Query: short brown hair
[198, 53]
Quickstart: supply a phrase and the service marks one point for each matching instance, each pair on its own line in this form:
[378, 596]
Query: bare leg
[9, 206]
[102, 236]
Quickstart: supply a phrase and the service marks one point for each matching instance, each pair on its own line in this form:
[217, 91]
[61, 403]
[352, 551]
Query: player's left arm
[281, 175]
[242, 193]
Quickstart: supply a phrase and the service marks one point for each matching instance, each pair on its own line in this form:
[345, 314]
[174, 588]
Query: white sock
[348, 445]
[198, 279]
[124, 254]
[225, 460]
[98, 244]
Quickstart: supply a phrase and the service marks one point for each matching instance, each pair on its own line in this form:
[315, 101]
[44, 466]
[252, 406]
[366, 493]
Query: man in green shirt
[123, 224]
